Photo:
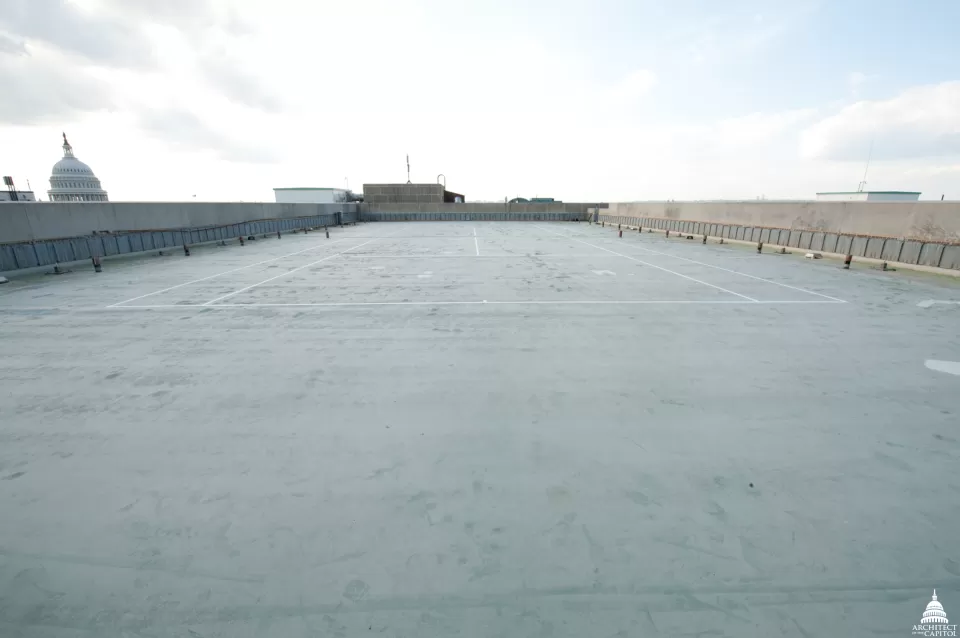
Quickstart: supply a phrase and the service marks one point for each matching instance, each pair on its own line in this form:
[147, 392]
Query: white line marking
[411, 236]
[950, 367]
[284, 274]
[803, 301]
[647, 263]
[227, 272]
[438, 237]
[737, 272]
[743, 274]
[931, 302]
[476, 243]
[464, 256]
[602, 302]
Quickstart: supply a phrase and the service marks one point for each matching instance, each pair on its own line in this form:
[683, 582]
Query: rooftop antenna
[863, 182]
[408, 168]
[11, 188]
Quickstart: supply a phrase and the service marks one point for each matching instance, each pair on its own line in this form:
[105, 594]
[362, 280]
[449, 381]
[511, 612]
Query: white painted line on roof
[647, 263]
[411, 236]
[737, 272]
[227, 272]
[284, 274]
[587, 302]
[463, 256]
[804, 301]
[950, 367]
[930, 302]
[743, 274]
[476, 243]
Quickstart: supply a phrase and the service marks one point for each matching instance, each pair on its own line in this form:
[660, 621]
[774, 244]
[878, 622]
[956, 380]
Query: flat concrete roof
[524, 429]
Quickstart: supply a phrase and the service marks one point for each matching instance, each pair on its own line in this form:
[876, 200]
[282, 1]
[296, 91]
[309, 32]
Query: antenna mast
[408, 168]
[11, 188]
[863, 182]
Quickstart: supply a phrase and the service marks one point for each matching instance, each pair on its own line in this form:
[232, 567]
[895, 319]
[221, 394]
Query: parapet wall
[46, 233]
[922, 233]
[926, 221]
[47, 220]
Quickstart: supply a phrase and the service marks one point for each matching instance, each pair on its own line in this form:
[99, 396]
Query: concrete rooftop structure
[409, 194]
[481, 429]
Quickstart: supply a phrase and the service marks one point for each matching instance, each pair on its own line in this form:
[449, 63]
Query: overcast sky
[610, 100]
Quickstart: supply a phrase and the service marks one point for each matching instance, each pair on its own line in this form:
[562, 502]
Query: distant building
[11, 194]
[409, 194]
[16, 196]
[314, 195]
[74, 181]
[869, 196]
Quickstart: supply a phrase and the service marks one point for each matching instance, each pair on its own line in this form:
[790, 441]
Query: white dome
[71, 166]
[73, 181]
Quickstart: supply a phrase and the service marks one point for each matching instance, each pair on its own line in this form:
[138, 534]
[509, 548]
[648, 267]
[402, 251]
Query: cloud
[180, 13]
[633, 86]
[182, 128]
[97, 36]
[47, 89]
[117, 34]
[229, 78]
[11, 46]
[755, 128]
[211, 93]
[191, 16]
[760, 133]
[735, 32]
[946, 169]
[922, 121]
[856, 79]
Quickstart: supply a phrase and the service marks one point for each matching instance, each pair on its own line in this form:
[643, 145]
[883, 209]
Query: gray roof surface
[425, 429]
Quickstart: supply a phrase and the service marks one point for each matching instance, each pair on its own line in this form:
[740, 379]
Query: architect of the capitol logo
[934, 621]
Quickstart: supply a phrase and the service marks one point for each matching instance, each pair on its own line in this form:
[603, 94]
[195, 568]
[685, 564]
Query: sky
[599, 100]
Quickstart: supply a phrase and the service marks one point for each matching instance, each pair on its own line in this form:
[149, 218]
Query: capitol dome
[934, 613]
[73, 181]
